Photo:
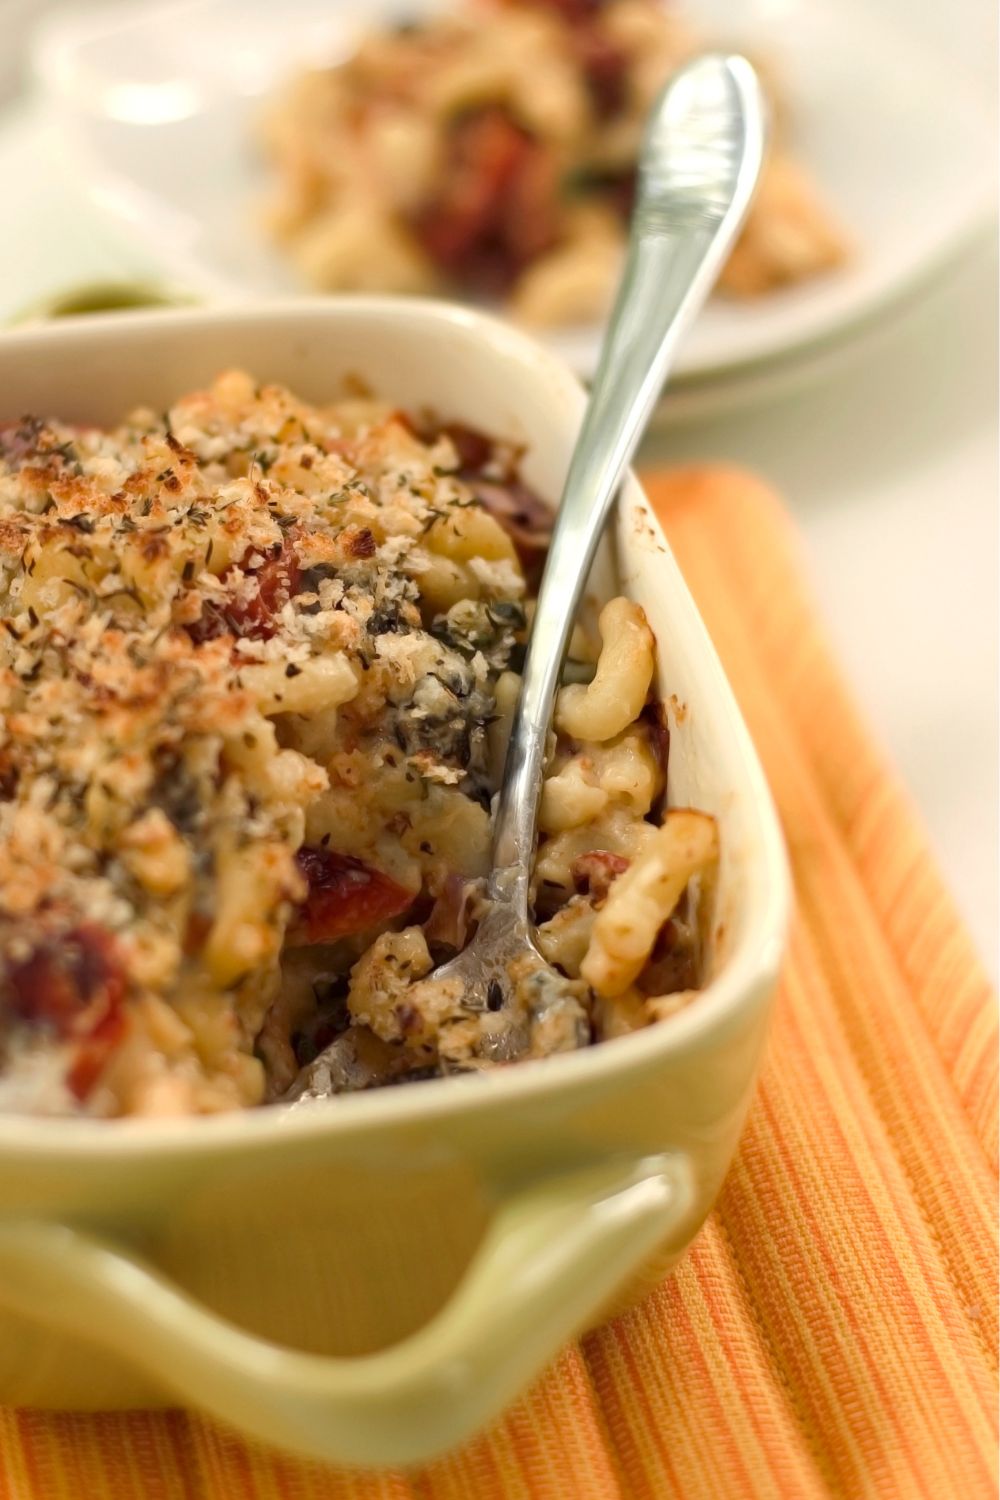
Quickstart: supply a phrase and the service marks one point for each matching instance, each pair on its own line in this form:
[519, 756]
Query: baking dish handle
[552, 1257]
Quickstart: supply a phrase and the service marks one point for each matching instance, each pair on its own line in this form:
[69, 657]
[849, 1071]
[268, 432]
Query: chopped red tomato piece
[496, 208]
[64, 975]
[570, 10]
[277, 581]
[94, 1051]
[74, 984]
[345, 895]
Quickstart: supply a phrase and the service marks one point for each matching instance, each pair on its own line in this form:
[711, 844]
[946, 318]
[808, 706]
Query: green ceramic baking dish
[369, 1279]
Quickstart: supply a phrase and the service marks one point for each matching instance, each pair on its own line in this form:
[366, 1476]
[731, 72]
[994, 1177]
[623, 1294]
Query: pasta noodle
[624, 671]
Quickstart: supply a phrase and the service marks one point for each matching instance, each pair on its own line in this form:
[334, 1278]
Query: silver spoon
[698, 167]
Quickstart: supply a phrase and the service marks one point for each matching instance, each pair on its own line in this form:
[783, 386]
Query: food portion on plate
[490, 150]
[260, 659]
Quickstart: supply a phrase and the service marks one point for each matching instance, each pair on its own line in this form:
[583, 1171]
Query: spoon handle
[697, 171]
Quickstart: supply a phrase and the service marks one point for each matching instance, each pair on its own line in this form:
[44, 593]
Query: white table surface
[886, 450]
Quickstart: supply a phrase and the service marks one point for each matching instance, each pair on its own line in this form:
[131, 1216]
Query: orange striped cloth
[833, 1331]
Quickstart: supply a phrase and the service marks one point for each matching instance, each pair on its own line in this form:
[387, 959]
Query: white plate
[156, 107]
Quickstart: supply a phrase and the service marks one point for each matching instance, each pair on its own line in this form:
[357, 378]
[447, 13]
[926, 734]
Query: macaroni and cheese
[491, 149]
[259, 659]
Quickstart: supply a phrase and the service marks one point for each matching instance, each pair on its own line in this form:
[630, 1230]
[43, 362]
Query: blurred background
[881, 436]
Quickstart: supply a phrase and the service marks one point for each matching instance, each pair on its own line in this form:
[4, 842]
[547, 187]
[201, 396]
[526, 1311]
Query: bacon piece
[345, 895]
[74, 985]
[525, 517]
[474, 448]
[277, 580]
[674, 963]
[654, 716]
[595, 871]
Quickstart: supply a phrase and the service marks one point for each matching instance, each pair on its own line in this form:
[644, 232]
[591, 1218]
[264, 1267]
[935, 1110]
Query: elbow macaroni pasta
[615, 698]
[643, 898]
